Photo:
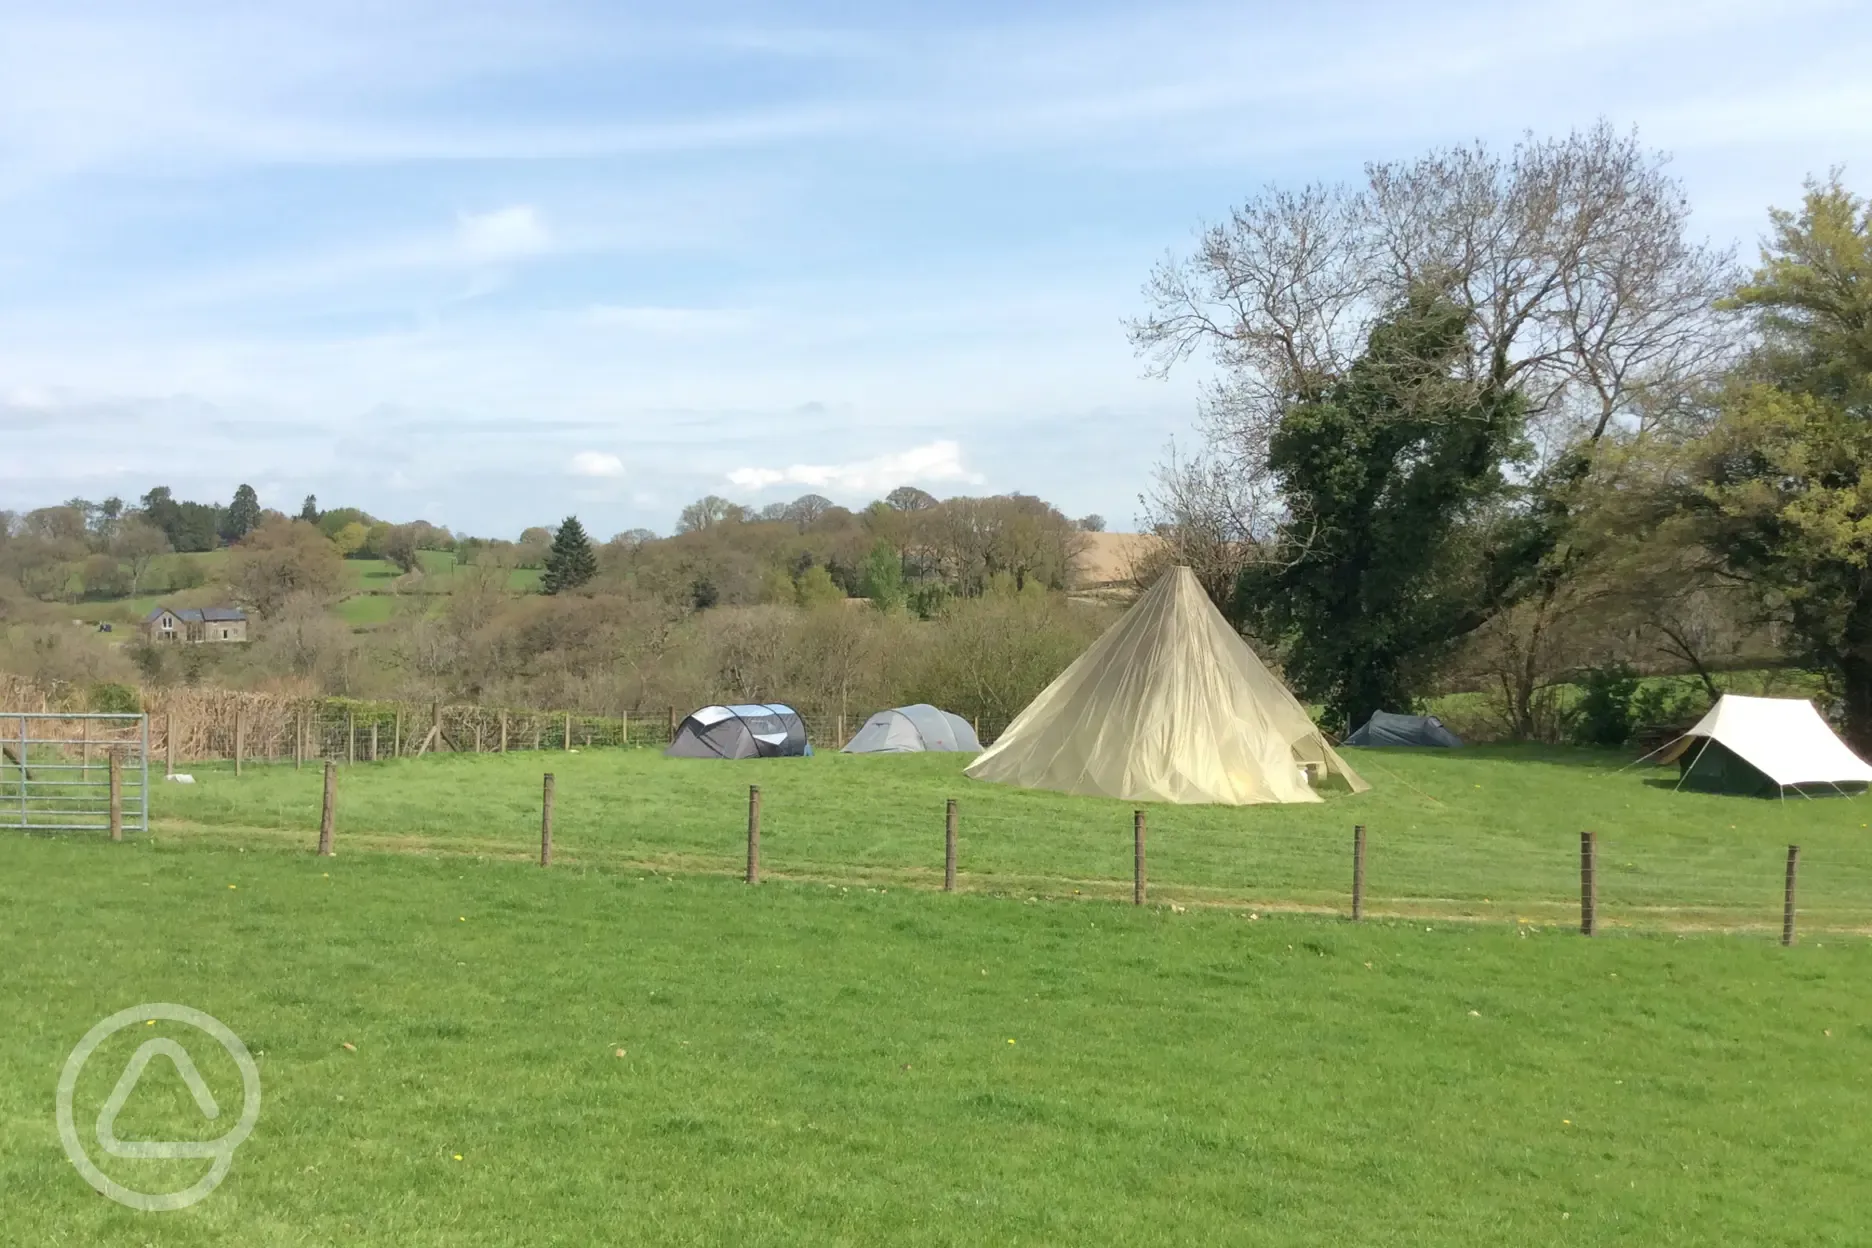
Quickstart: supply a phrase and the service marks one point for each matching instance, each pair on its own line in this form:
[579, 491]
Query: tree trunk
[1856, 691]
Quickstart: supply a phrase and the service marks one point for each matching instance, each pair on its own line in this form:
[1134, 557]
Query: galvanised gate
[74, 772]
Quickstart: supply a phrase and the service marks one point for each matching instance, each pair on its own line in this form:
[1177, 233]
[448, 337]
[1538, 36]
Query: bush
[112, 698]
[1603, 715]
[1666, 705]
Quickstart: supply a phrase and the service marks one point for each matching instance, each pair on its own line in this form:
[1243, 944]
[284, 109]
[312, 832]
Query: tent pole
[1692, 766]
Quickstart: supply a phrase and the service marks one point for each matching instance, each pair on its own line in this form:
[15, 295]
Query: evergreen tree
[308, 511]
[570, 563]
[1387, 473]
[243, 514]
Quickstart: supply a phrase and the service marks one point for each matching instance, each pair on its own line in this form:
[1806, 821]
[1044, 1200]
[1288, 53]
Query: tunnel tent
[1385, 728]
[912, 729]
[1763, 746]
[1169, 705]
[742, 731]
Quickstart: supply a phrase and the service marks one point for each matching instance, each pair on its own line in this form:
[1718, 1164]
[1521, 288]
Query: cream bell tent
[1170, 705]
[1763, 745]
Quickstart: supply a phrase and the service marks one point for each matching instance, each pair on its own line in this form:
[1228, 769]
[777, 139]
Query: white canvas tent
[1767, 744]
[1170, 705]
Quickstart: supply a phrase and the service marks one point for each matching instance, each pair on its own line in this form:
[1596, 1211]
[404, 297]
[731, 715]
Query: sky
[491, 264]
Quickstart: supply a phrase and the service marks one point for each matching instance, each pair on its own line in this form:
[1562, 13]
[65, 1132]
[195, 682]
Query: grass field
[806, 1063]
[371, 598]
[1488, 832]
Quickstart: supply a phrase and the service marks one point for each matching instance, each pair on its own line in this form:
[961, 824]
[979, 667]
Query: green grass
[812, 1064]
[1487, 832]
[371, 597]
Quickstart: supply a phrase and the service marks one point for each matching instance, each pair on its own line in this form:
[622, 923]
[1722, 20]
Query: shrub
[1603, 714]
[113, 698]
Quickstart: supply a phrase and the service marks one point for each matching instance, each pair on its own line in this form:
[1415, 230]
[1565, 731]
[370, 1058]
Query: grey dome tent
[750, 731]
[1384, 728]
[910, 729]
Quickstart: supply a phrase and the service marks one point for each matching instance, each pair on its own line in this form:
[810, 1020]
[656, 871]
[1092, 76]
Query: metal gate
[56, 773]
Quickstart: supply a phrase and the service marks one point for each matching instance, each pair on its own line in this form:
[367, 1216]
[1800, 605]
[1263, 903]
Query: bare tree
[709, 511]
[1570, 255]
[1584, 294]
[1211, 516]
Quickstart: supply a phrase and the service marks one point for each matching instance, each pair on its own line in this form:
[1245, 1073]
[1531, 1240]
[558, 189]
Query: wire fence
[260, 729]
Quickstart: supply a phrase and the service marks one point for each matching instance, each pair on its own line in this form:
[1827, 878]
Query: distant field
[467, 1050]
[1487, 832]
[376, 586]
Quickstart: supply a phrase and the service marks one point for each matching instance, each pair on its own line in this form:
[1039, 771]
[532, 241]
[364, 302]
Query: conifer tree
[570, 563]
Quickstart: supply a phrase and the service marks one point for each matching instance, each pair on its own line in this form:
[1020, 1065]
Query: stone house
[196, 625]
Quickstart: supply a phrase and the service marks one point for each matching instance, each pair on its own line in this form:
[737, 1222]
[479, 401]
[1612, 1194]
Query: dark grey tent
[909, 729]
[1384, 728]
[757, 731]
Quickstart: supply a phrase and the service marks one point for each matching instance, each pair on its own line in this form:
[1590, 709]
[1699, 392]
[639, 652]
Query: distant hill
[1107, 561]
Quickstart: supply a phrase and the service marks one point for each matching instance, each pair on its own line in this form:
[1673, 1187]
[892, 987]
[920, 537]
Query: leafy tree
[707, 512]
[139, 544]
[329, 522]
[1373, 577]
[571, 562]
[1782, 485]
[909, 498]
[308, 510]
[806, 510]
[243, 514]
[1093, 523]
[818, 589]
[883, 578]
[105, 577]
[350, 538]
[285, 560]
[401, 545]
[188, 526]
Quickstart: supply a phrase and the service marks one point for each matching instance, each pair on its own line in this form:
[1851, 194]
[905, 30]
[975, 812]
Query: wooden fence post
[1787, 903]
[568, 732]
[1137, 838]
[350, 729]
[1358, 872]
[373, 739]
[116, 797]
[169, 742]
[1588, 883]
[546, 816]
[396, 735]
[949, 847]
[753, 834]
[503, 730]
[325, 816]
[624, 730]
[298, 739]
[240, 738]
[536, 733]
[477, 731]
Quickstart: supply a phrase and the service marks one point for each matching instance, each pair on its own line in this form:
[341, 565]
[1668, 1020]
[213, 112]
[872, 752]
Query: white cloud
[932, 462]
[597, 464]
[504, 234]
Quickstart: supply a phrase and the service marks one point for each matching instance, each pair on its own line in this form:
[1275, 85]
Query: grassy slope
[372, 593]
[815, 1065]
[1486, 832]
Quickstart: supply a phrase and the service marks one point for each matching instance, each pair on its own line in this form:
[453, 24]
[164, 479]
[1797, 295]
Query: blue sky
[490, 264]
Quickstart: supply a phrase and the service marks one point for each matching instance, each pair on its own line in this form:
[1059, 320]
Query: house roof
[198, 615]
